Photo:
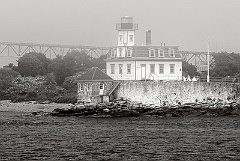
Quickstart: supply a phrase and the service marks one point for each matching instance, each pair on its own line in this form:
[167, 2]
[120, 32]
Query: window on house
[152, 53]
[101, 86]
[152, 68]
[160, 53]
[128, 68]
[161, 68]
[120, 38]
[113, 53]
[172, 68]
[81, 86]
[112, 68]
[171, 53]
[88, 86]
[129, 53]
[120, 69]
[120, 52]
[130, 38]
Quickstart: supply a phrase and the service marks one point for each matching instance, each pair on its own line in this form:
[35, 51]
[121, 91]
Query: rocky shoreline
[125, 108]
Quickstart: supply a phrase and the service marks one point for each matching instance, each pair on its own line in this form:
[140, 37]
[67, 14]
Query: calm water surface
[25, 137]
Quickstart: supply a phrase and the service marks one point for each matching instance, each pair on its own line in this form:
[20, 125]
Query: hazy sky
[185, 23]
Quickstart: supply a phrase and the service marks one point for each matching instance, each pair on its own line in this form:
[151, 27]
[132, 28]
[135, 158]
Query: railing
[221, 79]
[113, 87]
[126, 26]
[182, 78]
[151, 76]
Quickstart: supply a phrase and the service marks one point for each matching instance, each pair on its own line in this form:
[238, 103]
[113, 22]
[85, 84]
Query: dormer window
[129, 52]
[151, 53]
[160, 53]
[120, 52]
[171, 53]
[113, 53]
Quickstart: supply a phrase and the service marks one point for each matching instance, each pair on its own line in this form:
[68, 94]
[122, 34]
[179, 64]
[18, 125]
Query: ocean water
[26, 137]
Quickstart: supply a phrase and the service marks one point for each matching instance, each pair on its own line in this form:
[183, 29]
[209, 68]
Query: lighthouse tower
[126, 30]
[126, 35]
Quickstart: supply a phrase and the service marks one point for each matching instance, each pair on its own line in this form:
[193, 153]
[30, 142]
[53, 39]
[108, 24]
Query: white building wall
[166, 76]
[136, 70]
[124, 75]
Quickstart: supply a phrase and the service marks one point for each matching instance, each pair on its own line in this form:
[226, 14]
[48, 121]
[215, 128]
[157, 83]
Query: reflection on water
[25, 137]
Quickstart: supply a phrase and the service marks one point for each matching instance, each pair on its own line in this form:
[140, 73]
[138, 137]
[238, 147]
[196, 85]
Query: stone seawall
[174, 92]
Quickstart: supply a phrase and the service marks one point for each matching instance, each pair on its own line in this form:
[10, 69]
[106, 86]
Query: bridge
[199, 59]
[11, 49]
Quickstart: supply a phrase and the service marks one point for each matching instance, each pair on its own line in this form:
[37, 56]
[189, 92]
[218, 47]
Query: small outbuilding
[95, 86]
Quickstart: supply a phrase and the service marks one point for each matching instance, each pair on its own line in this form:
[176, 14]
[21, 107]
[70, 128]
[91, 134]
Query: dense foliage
[44, 79]
[39, 89]
[225, 64]
[189, 69]
[33, 64]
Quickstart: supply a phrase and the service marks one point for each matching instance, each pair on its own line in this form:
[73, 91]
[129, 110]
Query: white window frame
[112, 68]
[150, 53]
[120, 52]
[89, 87]
[101, 86]
[128, 68]
[81, 87]
[172, 68]
[130, 38]
[159, 53]
[113, 53]
[129, 52]
[120, 66]
[152, 65]
[171, 52]
[161, 65]
[120, 38]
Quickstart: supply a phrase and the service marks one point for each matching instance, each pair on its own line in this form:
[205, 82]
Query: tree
[73, 63]
[33, 64]
[77, 61]
[225, 64]
[59, 69]
[99, 62]
[189, 69]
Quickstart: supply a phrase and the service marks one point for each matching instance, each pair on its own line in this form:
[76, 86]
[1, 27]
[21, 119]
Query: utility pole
[208, 77]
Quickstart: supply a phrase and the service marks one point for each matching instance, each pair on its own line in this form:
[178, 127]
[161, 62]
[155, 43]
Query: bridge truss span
[10, 49]
[198, 59]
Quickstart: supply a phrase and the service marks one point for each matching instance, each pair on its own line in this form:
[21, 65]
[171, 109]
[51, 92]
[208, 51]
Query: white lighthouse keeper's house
[130, 62]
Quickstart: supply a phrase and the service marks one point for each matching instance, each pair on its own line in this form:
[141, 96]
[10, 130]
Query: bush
[66, 98]
[38, 89]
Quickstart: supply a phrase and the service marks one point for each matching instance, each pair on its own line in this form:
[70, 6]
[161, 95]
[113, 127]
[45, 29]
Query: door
[143, 71]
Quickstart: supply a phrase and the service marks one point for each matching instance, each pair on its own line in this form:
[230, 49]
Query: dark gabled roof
[94, 74]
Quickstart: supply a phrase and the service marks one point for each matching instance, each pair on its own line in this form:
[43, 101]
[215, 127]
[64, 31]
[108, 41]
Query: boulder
[39, 113]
